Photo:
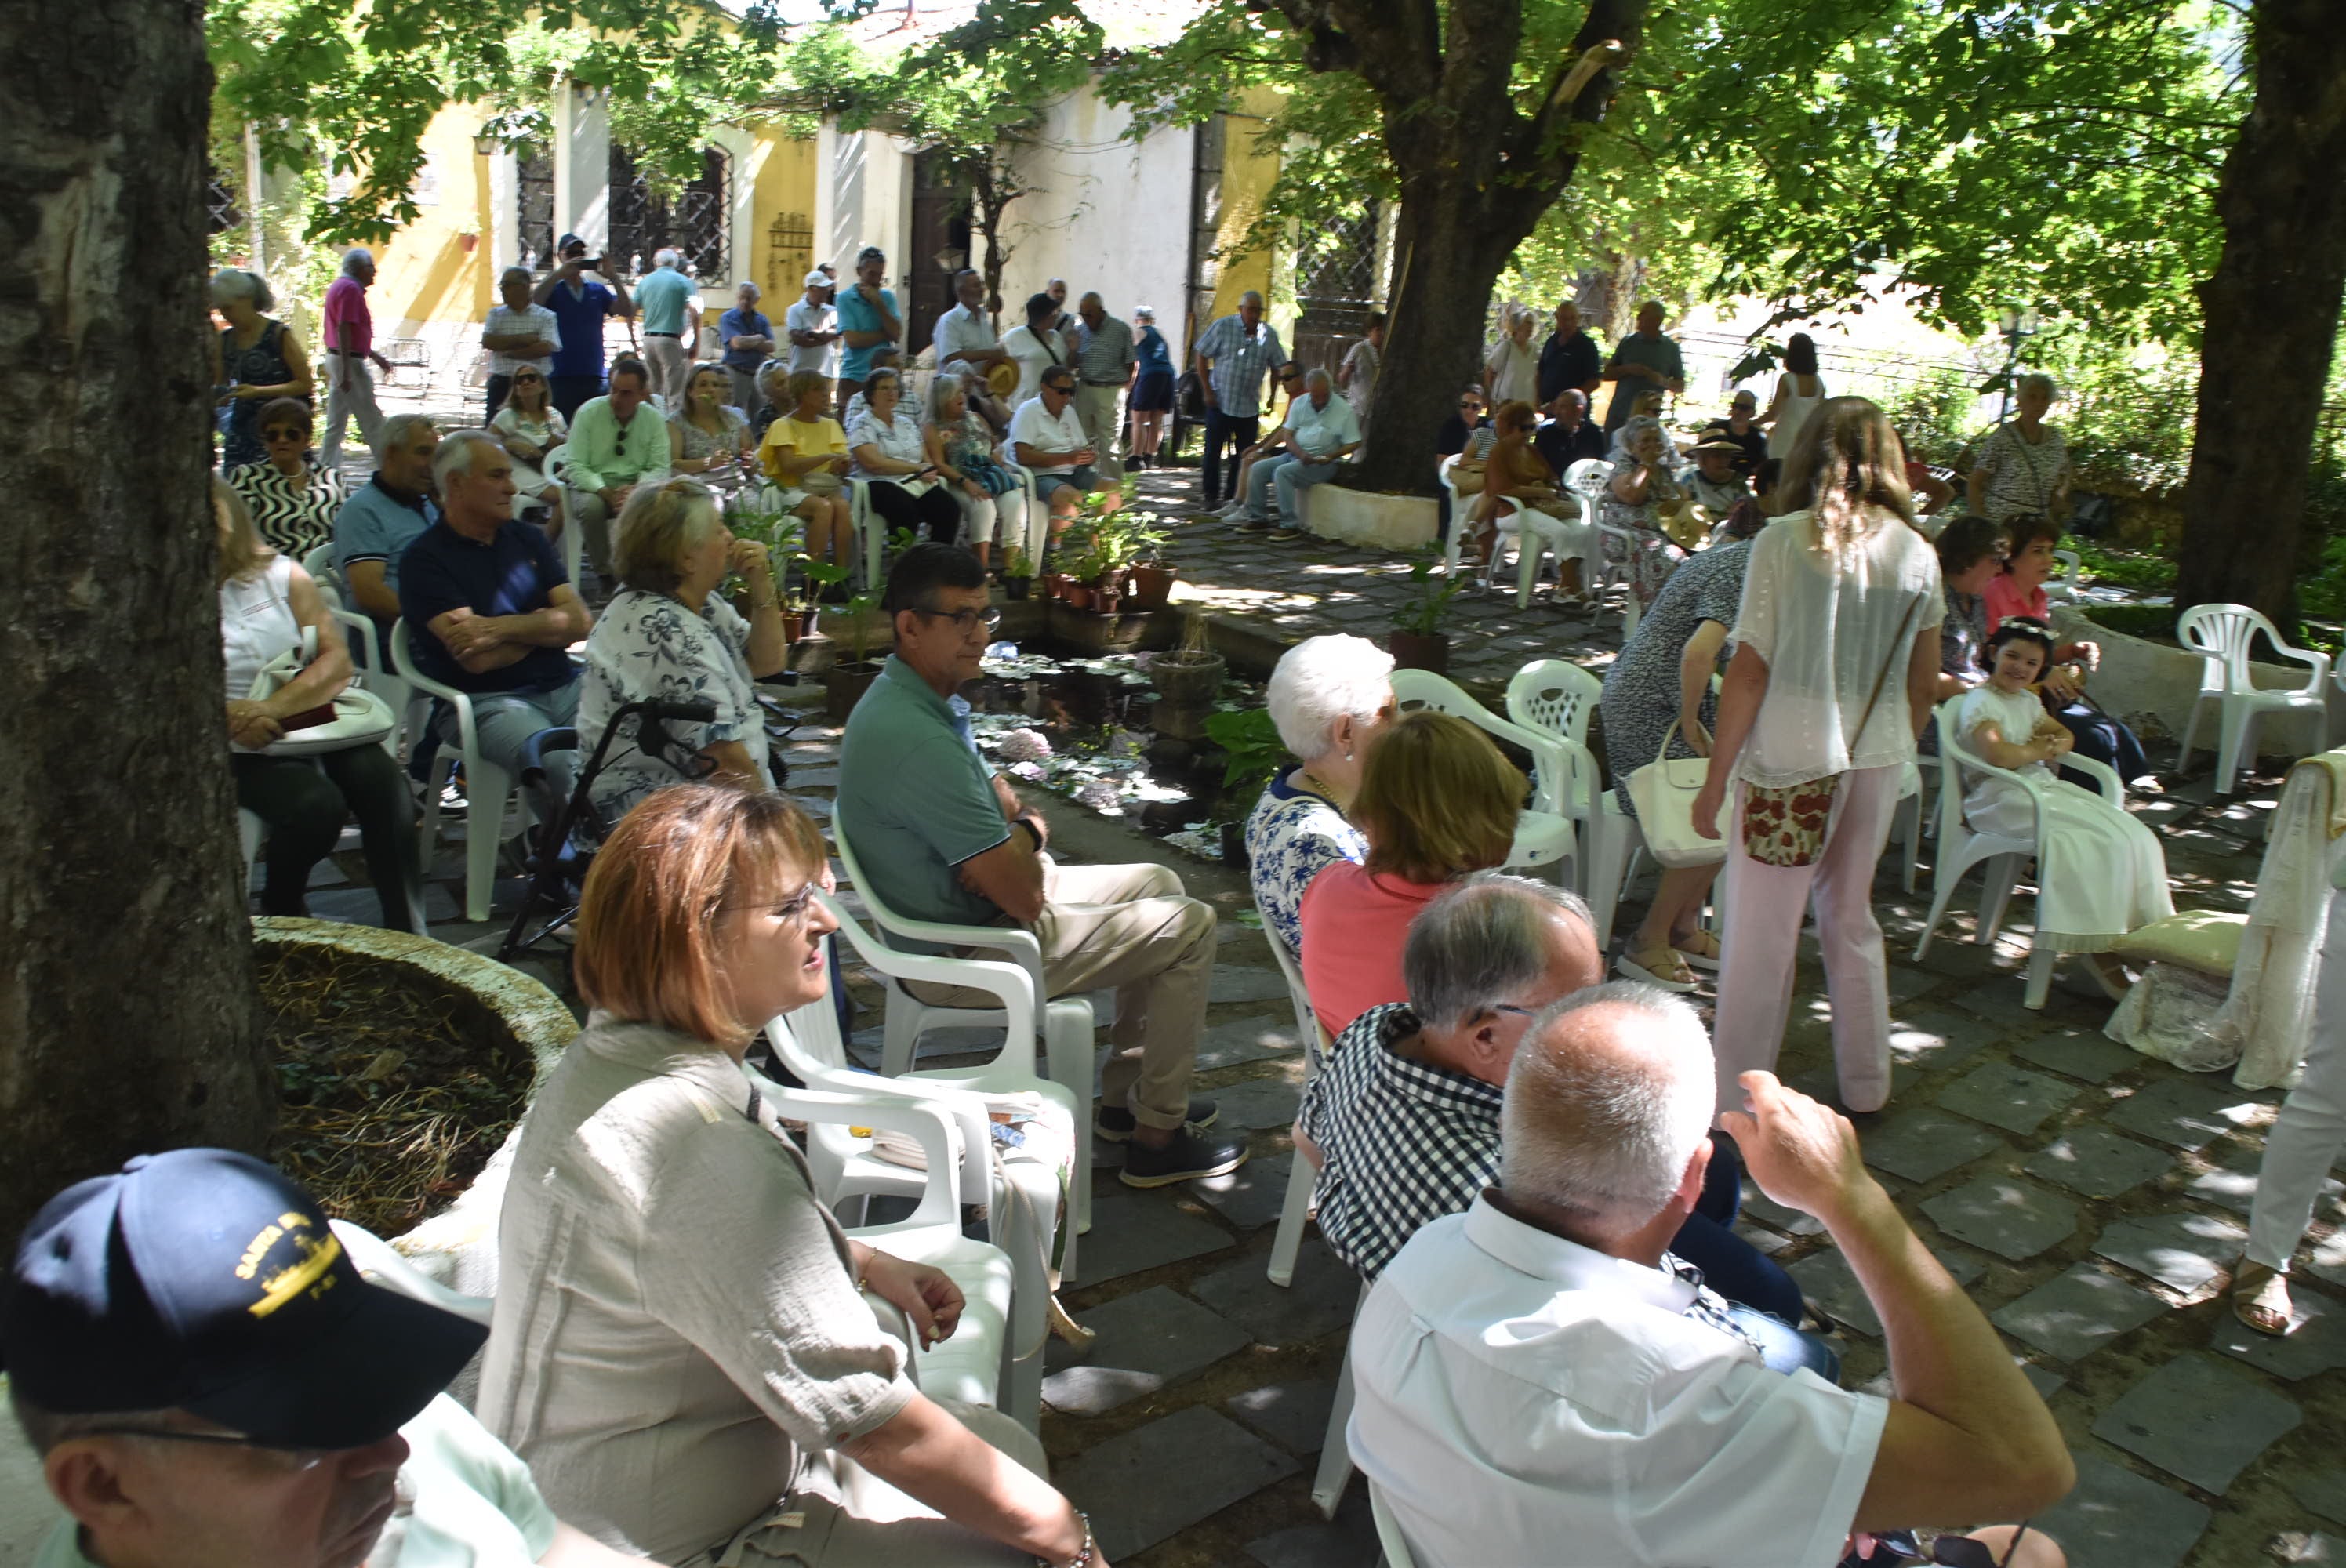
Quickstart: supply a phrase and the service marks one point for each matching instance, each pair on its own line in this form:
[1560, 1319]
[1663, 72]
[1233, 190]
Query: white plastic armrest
[965, 1106]
[395, 1271]
[2314, 659]
[1017, 941]
[2105, 777]
[1553, 769]
[1018, 986]
[403, 663]
[941, 1202]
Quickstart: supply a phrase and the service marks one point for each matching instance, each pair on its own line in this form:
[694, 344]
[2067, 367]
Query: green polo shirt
[916, 799]
[1658, 353]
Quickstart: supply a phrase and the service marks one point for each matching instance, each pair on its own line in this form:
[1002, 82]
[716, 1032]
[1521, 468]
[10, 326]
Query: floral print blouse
[651, 647]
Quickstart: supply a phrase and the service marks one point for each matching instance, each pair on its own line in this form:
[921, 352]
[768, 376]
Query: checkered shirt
[1404, 1142]
[1242, 359]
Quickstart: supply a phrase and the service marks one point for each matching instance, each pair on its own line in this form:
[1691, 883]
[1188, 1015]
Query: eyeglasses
[1519, 1012]
[966, 620]
[792, 910]
[297, 1458]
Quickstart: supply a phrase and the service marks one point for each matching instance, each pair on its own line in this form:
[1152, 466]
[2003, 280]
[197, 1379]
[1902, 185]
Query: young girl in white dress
[2099, 872]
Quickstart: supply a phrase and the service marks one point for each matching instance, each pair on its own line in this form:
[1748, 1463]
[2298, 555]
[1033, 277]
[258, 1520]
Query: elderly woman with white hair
[256, 360]
[2023, 468]
[1512, 372]
[1329, 696]
[961, 447]
[668, 635]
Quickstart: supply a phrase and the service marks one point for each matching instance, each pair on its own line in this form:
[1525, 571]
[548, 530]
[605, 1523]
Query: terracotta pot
[1152, 587]
[799, 623]
[1055, 585]
[1077, 595]
[1415, 650]
[1108, 589]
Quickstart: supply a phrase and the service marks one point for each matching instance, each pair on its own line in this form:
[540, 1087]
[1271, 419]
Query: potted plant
[1253, 755]
[821, 577]
[1190, 675]
[1418, 641]
[1153, 572]
[779, 532]
[1083, 570]
[1018, 574]
[845, 683]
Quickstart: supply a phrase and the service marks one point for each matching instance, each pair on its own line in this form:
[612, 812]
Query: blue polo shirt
[580, 316]
[515, 574]
[376, 525]
[739, 323]
[856, 314]
[916, 799]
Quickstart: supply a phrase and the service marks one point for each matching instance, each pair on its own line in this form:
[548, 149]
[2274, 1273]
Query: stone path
[2093, 1201]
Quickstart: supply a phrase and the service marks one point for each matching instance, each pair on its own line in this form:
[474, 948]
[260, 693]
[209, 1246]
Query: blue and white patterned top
[648, 646]
[1291, 836]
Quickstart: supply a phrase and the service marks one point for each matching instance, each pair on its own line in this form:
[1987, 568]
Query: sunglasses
[527, 379]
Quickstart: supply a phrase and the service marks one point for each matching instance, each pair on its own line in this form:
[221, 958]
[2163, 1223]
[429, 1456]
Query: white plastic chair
[1558, 698]
[871, 531]
[488, 786]
[1068, 1042]
[2223, 635]
[407, 706]
[1390, 1540]
[1544, 834]
[1335, 1471]
[1301, 1178]
[382, 1264]
[2066, 589]
[249, 830]
[974, 1366]
[1961, 849]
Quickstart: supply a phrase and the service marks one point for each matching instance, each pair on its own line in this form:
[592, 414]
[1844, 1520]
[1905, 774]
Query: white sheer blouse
[1827, 630]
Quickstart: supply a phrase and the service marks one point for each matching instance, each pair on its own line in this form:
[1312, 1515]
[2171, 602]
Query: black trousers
[935, 508]
[570, 391]
[1239, 433]
[303, 800]
[498, 387]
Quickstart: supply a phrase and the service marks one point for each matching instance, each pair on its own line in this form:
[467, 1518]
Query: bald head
[1609, 1102]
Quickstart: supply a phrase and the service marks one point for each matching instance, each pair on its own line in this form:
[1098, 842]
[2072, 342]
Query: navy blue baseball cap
[203, 1280]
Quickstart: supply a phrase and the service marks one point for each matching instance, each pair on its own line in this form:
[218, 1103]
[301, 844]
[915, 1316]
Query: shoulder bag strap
[1890, 664]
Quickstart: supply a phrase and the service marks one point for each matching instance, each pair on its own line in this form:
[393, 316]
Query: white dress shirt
[1322, 430]
[1521, 1400]
[802, 317]
[1035, 425]
[963, 330]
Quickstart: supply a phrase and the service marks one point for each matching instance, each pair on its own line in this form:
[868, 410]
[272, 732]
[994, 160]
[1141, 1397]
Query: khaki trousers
[1131, 928]
[671, 367]
[1096, 411]
[844, 1516]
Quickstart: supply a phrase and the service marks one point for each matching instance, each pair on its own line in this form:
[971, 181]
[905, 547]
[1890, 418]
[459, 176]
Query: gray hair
[516, 270]
[1603, 1111]
[1254, 295]
[755, 292]
[355, 255]
[668, 256]
[1321, 680]
[453, 456]
[1315, 379]
[1479, 941]
[231, 283]
[399, 427]
[44, 1428]
[941, 392]
[2036, 379]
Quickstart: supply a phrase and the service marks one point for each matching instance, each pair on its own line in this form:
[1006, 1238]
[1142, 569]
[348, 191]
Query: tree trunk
[1451, 247]
[128, 1021]
[2271, 317]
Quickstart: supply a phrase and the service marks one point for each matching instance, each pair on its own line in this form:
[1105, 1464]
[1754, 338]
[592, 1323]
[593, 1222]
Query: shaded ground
[2091, 1199]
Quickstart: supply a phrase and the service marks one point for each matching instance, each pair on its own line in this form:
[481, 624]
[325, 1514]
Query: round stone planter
[1368, 517]
[2151, 685]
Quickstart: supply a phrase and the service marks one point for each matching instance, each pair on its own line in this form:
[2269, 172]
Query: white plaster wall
[581, 169]
[1102, 212]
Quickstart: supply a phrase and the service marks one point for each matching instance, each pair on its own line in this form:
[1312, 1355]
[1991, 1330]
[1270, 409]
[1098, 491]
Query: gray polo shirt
[916, 799]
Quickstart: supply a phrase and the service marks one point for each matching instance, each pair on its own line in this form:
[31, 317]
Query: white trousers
[343, 404]
[2311, 1127]
[1760, 949]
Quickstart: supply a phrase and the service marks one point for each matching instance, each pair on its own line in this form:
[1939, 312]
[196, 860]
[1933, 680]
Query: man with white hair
[1321, 431]
[519, 332]
[1104, 365]
[1532, 1372]
[348, 329]
[663, 298]
[489, 609]
[746, 338]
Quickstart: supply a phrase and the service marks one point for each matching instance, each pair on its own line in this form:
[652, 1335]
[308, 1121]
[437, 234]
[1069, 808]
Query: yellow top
[800, 438]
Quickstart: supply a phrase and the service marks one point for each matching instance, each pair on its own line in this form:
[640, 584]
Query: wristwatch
[1033, 830]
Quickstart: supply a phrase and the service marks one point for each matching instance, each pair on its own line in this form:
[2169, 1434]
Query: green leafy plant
[1421, 613]
[1017, 565]
[1255, 751]
[859, 630]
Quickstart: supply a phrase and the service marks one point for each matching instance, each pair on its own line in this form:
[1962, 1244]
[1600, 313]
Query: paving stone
[1258, 1102]
[1764, 1239]
[2181, 1251]
[2117, 1519]
[1320, 1301]
[2096, 1163]
[2317, 1344]
[2237, 1189]
[2323, 1491]
[2043, 1379]
[1251, 1195]
[2078, 1053]
[1292, 1415]
[1826, 1278]
[2010, 1218]
[1146, 1339]
[1349, 1540]
[1758, 1206]
[1924, 1144]
[2190, 1112]
[2003, 1095]
[1146, 1485]
[1133, 1230]
[2197, 1419]
[1819, 1082]
[2077, 1311]
[1937, 1040]
[1230, 984]
[813, 778]
[2329, 1260]
[1246, 1040]
[1998, 998]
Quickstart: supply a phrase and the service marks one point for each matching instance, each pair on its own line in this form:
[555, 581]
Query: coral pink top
[1355, 924]
[2003, 598]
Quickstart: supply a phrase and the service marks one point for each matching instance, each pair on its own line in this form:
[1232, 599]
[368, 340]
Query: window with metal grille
[220, 202]
[533, 205]
[645, 220]
[1336, 287]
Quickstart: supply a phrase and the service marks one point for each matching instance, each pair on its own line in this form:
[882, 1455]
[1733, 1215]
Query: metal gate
[534, 206]
[1336, 288]
[645, 220]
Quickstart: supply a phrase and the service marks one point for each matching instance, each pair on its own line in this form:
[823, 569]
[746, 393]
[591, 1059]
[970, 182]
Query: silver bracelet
[1084, 1555]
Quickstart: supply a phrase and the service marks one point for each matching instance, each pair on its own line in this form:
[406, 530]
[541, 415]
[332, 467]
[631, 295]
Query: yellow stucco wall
[437, 268]
[1249, 171]
[779, 248]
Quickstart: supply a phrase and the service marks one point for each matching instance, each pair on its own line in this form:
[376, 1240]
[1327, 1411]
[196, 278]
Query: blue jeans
[1292, 475]
[1731, 1265]
[505, 720]
[1786, 1349]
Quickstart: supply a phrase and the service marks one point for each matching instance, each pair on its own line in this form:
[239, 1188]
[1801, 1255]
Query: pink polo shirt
[346, 306]
[1355, 923]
